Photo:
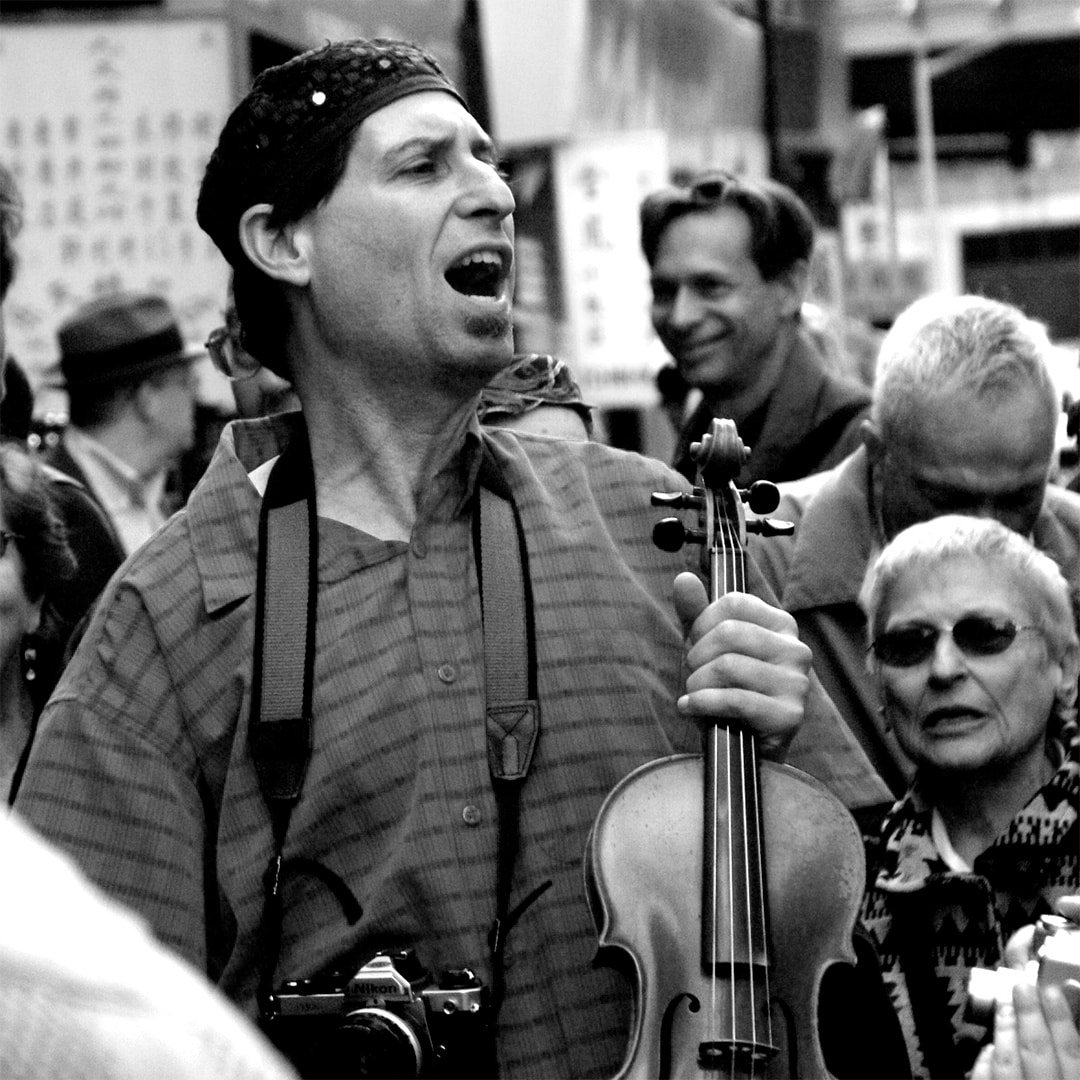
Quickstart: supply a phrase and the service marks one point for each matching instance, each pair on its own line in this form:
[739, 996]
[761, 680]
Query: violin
[730, 884]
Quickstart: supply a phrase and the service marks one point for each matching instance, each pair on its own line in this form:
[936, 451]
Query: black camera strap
[280, 727]
[513, 706]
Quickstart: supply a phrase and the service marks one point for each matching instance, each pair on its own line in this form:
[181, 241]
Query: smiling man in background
[729, 262]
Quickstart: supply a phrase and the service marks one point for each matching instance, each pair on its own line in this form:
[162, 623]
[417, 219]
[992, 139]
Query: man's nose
[685, 308]
[486, 192]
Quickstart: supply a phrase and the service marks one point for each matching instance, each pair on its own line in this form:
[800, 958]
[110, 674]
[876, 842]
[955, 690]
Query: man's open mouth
[482, 274]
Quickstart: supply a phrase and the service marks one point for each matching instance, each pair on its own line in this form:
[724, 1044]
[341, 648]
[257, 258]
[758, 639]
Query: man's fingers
[691, 599]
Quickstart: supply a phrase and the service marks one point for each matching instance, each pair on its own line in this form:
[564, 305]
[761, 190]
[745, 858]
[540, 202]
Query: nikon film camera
[1052, 947]
[388, 1019]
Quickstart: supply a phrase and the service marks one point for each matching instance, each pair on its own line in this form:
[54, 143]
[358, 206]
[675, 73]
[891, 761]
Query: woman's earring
[29, 660]
[885, 722]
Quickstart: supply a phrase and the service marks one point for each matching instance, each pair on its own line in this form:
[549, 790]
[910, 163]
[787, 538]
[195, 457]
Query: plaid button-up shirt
[141, 767]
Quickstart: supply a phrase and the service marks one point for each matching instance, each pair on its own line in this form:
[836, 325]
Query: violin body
[644, 858]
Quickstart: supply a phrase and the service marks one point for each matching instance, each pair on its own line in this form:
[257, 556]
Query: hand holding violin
[746, 663]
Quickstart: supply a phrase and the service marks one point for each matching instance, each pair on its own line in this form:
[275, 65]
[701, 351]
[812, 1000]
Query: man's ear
[795, 281]
[274, 249]
[1065, 688]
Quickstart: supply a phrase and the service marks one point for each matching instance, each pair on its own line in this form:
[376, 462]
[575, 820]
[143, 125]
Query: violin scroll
[720, 455]
[670, 534]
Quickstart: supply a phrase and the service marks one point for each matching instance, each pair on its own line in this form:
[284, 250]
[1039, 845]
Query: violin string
[764, 906]
[734, 581]
[756, 823]
[746, 748]
[719, 588]
[731, 911]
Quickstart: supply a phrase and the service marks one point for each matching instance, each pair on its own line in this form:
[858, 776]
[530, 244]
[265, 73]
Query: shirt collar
[223, 514]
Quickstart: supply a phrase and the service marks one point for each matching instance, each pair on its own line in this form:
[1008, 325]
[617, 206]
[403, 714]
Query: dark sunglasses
[975, 635]
[706, 189]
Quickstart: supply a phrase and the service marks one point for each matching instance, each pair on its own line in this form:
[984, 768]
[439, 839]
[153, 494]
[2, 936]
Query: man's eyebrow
[438, 143]
[418, 142]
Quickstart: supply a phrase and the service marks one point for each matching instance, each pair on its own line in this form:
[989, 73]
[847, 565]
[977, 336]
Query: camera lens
[374, 1042]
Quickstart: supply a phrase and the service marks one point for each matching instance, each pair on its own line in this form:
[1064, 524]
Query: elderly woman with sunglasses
[975, 655]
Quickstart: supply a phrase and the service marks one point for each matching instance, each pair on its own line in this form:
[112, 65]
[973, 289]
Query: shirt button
[471, 815]
[447, 672]
[419, 548]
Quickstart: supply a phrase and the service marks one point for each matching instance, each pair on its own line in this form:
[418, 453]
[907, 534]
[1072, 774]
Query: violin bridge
[734, 1057]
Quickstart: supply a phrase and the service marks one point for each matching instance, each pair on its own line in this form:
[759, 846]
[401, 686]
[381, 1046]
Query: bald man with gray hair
[962, 420]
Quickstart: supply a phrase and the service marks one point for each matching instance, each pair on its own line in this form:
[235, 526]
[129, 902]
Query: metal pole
[770, 121]
[924, 127]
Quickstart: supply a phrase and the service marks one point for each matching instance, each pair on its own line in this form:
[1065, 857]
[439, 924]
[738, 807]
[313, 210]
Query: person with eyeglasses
[256, 390]
[963, 420]
[729, 264]
[974, 658]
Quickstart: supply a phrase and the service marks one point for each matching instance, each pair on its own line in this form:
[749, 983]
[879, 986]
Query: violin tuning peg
[678, 500]
[762, 496]
[670, 535]
[770, 527]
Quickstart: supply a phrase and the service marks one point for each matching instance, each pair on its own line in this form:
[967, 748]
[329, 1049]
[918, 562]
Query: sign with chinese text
[599, 185]
[107, 127]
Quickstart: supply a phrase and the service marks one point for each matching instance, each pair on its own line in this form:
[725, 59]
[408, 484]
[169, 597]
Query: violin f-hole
[667, 1027]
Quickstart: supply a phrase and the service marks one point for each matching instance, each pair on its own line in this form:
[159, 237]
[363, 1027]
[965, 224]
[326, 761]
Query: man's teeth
[479, 274]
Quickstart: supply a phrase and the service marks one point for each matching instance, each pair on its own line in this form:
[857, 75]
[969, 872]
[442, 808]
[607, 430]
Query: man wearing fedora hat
[131, 392]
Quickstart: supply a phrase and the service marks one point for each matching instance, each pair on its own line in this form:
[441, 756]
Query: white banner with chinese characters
[107, 127]
[599, 185]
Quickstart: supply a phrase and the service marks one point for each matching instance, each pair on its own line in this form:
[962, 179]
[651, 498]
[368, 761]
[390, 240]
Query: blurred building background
[937, 141]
